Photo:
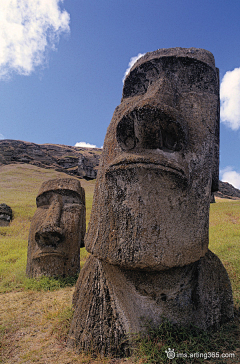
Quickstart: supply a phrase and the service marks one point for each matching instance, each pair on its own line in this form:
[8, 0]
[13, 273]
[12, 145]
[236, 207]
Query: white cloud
[131, 63]
[28, 29]
[230, 99]
[230, 176]
[85, 145]
[1, 136]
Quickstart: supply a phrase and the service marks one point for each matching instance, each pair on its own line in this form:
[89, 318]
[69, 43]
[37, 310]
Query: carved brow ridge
[138, 76]
[165, 62]
[62, 193]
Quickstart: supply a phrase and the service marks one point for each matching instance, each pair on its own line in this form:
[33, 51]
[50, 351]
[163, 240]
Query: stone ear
[215, 168]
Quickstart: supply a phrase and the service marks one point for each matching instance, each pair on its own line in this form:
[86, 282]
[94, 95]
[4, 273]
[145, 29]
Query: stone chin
[138, 197]
[134, 232]
[43, 254]
[149, 210]
[51, 264]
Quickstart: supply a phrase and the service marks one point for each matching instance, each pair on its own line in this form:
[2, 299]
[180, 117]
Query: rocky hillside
[227, 191]
[79, 162]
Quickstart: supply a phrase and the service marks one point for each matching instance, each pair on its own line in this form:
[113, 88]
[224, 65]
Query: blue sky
[62, 64]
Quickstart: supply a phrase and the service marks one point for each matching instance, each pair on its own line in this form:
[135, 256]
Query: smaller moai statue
[57, 229]
[5, 214]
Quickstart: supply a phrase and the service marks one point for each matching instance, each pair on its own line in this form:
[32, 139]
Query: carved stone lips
[47, 253]
[139, 161]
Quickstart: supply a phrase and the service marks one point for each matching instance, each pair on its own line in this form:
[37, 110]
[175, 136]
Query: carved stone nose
[49, 233]
[49, 236]
[148, 128]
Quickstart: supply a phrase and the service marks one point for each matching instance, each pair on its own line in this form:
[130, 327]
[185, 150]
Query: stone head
[159, 164]
[5, 214]
[57, 229]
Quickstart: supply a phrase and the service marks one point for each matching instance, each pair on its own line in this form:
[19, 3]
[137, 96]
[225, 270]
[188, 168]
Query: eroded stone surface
[159, 165]
[148, 232]
[111, 302]
[57, 229]
[62, 158]
[86, 167]
[5, 214]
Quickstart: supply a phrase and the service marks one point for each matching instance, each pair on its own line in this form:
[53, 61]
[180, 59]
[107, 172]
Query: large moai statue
[148, 232]
[57, 229]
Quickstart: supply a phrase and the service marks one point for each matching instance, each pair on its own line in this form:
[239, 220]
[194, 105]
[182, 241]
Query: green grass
[187, 342]
[224, 237]
[49, 283]
[19, 186]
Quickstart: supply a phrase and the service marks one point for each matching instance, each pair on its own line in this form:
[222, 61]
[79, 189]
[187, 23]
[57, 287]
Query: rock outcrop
[87, 166]
[75, 161]
[79, 162]
[226, 190]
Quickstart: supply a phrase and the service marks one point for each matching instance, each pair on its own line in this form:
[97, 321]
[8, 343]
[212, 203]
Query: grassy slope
[224, 238]
[19, 185]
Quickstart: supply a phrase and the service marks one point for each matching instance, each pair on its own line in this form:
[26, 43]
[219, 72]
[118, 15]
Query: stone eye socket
[43, 202]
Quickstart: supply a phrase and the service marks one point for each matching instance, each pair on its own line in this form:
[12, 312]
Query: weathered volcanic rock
[79, 162]
[87, 166]
[57, 229]
[226, 190]
[159, 164]
[112, 303]
[59, 157]
[148, 231]
[5, 214]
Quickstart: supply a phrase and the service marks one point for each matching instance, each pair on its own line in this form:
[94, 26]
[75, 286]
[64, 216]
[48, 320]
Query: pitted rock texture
[159, 164]
[112, 303]
[5, 214]
[57, 229]
[148, 231]
[62, 158]
[86, 167]
[97, 324]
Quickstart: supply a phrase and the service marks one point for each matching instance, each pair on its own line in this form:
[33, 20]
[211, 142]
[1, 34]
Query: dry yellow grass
[35, 331]
[34, 324]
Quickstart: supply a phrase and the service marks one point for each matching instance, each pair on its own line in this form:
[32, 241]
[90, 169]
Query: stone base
[111, 303]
